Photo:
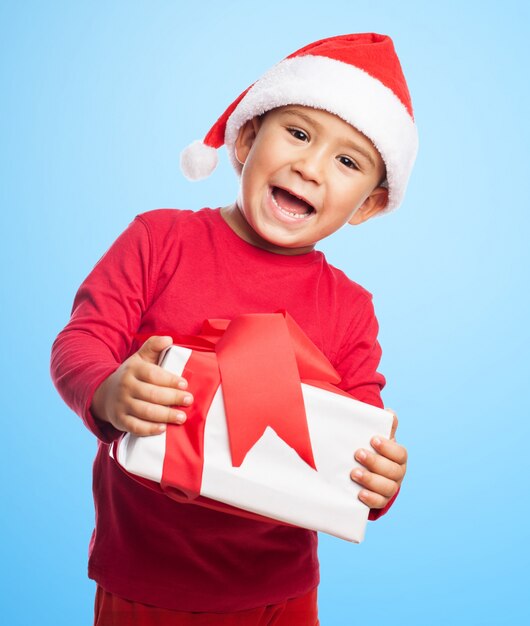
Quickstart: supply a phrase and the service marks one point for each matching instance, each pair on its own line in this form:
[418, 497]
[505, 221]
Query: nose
[310, 164]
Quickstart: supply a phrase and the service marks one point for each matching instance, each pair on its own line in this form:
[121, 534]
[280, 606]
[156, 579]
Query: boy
[323, 139]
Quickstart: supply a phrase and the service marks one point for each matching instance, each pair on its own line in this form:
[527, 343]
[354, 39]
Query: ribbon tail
[261, 386]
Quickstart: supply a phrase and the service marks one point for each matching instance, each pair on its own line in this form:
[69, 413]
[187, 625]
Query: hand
[383, 469]
[138, 396]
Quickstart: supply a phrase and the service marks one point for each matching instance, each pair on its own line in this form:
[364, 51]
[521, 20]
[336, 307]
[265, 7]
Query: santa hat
[357, 77]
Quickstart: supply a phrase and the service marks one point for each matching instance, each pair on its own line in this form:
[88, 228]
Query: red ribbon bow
[260, 359]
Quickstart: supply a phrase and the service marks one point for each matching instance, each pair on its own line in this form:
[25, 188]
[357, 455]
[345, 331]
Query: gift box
[269, 436]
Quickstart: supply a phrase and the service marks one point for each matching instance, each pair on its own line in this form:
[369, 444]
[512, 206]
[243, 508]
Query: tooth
[298, 216]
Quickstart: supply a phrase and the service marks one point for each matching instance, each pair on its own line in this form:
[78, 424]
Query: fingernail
[358, 473]
[182, 384]
[161, 428]
[376, 441]
[181, 417]
[187, 400]
[361, 455]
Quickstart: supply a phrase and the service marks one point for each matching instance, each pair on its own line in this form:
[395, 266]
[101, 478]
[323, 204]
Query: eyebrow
[318, 126]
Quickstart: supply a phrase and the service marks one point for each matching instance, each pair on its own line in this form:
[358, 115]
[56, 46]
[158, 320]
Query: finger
[373, 482]
[390, 449]
[380, 465]
[373, 500]
[164, 396]
[150, 350]
[149, 412]
[395, 423]
[141, 428]
[156, 375]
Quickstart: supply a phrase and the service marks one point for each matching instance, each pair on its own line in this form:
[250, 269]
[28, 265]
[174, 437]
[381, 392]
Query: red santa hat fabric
[357, 77]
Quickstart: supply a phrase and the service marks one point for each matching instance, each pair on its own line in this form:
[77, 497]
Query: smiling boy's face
[306, 173]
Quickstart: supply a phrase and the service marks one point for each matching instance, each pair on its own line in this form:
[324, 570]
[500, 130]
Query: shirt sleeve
[106, 313]
[357, 363]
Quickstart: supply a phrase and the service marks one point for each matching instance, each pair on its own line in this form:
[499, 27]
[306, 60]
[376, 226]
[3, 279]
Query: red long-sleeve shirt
[170, 270]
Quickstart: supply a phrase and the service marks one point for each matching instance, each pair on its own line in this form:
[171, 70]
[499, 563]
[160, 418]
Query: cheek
[254, 177]
[249, 197]
[247, 190]
[344, 198]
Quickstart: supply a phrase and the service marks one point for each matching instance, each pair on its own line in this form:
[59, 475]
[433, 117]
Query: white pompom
[198, 160]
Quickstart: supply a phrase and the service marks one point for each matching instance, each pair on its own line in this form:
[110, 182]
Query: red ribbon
[260, 360]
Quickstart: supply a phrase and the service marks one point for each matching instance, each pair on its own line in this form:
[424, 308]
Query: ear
[245, 138]
[374, 204]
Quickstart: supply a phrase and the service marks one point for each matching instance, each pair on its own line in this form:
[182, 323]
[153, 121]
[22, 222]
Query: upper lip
[296, 195]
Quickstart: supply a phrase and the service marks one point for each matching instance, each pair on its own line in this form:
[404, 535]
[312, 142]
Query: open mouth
[291, 205]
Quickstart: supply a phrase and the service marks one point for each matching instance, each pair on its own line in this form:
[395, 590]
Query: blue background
[98, 99]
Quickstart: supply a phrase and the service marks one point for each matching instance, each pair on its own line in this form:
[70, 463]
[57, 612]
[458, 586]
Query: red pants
[111, 610]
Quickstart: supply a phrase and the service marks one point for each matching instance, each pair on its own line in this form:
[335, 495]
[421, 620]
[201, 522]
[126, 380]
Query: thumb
[394, 423]
[150, 350]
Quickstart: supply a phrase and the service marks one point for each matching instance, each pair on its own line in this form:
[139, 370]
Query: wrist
[97, 406]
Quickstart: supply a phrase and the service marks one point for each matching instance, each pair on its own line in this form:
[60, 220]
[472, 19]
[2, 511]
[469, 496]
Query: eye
[298, 134]
[348, 162]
